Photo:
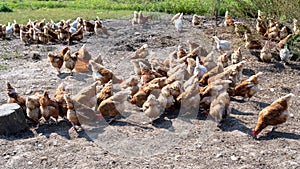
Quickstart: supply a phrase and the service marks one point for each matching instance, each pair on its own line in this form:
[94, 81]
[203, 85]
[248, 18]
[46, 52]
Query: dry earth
[175, 142]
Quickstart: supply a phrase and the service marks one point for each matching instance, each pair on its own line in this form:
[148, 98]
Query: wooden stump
[12, 119]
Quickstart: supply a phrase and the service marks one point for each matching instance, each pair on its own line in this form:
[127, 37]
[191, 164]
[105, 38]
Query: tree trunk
[12, 119]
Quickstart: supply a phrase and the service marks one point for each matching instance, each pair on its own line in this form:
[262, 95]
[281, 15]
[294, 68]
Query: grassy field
[89, 9]
[22, 10]
[22, 15]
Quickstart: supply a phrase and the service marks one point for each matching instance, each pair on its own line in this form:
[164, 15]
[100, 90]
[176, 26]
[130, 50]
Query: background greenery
[280, 9]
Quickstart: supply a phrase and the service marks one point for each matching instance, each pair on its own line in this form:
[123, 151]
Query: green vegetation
[277, 8]
[22, 15]
[5, 8]
[4, 67]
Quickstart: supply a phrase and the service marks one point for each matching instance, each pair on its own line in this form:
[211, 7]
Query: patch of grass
[57, 14]
[3, 67]
[6, 57]
[5, 8]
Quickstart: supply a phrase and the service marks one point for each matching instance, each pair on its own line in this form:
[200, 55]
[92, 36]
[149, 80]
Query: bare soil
[174, 142]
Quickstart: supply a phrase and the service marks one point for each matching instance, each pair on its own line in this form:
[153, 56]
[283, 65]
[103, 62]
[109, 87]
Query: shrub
[5, 8]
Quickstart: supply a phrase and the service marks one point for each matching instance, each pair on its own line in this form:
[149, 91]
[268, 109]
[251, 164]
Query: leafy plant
[5, 8]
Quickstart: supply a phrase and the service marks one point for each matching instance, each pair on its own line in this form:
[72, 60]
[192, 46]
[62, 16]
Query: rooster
[275, 114]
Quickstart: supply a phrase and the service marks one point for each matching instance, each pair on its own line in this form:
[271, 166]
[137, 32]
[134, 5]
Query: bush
[282, 10]
[5, 8]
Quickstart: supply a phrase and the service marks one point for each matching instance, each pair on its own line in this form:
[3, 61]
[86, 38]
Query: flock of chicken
[186, 79]
[42, 32]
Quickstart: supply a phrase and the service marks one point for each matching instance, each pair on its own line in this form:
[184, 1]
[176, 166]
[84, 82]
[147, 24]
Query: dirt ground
[178, 142]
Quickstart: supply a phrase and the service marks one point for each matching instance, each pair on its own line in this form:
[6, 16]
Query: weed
[3, 67]
[5, 8]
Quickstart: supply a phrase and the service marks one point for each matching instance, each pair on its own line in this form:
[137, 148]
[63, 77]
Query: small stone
[112, 162]
[137, 33]
[177, 157]
[29, 162]
[219, 155]
[234, 158]
[28, 92]
[272, 89]
[40, 145]
[7, 157]
[35, 55]
[43, 158]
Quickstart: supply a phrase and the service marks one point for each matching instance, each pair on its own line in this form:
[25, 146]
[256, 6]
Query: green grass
[4, 67]
[90, 8]
[22, 15]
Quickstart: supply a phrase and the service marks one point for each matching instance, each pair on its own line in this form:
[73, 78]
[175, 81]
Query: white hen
[178, 23]
[199, 70]
[285, 54]
[222, 44]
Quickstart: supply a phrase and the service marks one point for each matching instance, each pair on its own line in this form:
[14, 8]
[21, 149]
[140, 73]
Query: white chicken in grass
[178, 23]
[222, 44]
[285, 54]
